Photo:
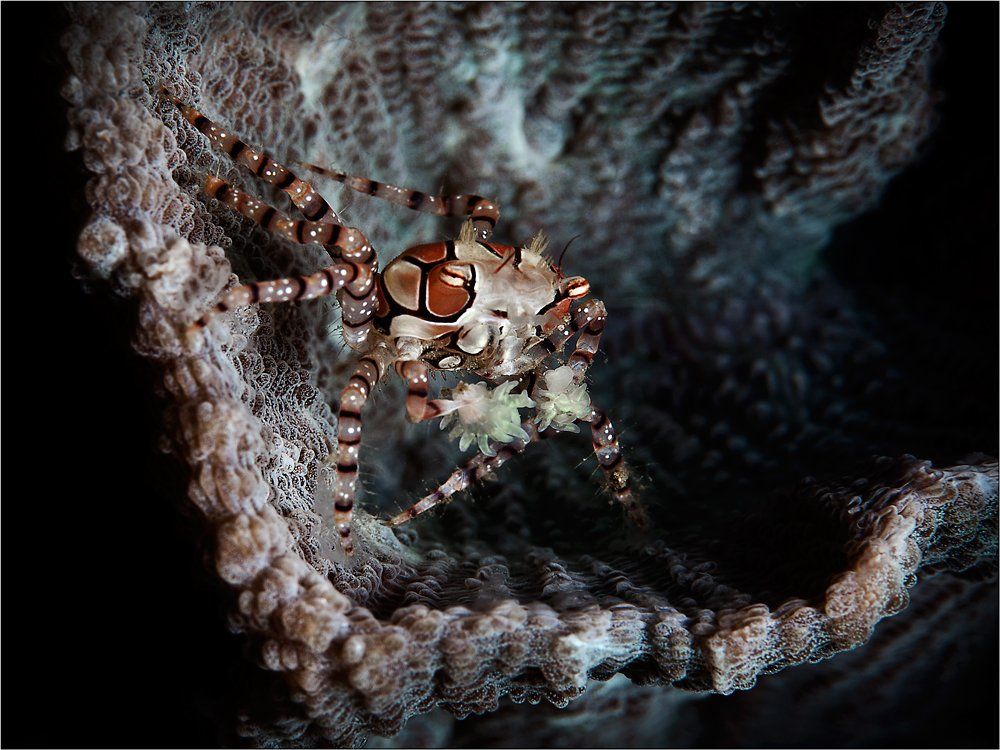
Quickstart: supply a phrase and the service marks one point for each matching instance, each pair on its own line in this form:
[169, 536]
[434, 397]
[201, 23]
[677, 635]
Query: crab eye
[456, 274]
[575, 287]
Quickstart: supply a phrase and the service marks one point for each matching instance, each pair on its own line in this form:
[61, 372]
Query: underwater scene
[527, 374]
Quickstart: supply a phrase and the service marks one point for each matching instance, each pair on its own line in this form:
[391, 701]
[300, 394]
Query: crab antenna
[559, 262]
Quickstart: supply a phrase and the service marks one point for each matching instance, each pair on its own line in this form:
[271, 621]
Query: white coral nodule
[480, 415]
[561, 401]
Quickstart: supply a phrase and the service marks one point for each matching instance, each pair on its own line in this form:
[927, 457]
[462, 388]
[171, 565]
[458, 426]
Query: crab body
[475, 305]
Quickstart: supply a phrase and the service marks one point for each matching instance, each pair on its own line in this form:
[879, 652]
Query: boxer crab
[498, 311]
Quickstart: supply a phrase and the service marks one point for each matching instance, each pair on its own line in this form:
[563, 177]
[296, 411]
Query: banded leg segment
[272, 220]
[588, 319]
[609, 457]
[370, 370]
[472, 472]
[303, 195]
[485, 213]
[353, 273]
[341, 275]
[617, 475]
[418, 407]
[616, 471]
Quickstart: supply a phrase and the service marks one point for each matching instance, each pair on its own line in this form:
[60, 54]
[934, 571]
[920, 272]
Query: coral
[705, 166]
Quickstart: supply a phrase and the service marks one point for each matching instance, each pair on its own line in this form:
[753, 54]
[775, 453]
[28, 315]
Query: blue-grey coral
[705, 174]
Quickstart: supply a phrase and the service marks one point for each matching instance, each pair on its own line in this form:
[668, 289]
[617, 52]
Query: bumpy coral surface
[705, 165]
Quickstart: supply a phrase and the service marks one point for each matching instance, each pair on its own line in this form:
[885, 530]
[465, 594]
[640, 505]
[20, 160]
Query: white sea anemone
[481, 415]
[561, 402]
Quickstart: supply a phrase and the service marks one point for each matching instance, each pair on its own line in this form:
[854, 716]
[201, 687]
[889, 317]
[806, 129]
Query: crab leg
[472, 472]
[484, 212]
[351, 275]
[418, 407]
[606, 449]
[589, 320]
[340, 275]
[616, 471]
[300, 231]
[370, 370]
[303, 195]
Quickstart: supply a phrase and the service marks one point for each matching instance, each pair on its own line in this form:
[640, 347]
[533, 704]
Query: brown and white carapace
[475, 304]
[501, 312]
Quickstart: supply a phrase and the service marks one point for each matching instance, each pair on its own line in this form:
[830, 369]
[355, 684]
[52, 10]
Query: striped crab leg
[589, 319]
[484, 212]
[472, 472]
[370, 370]
[351, 276]
[617, 475]
[274, 221]
[333, 278]
[303, 194]
[418, 407]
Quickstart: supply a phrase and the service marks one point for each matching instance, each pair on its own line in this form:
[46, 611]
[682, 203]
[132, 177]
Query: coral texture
[705, 166]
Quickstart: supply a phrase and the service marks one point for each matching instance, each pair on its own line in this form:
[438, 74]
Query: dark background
[114, 634]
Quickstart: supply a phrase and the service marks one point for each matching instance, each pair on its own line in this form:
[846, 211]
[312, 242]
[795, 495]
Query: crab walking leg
[347, 241]
[616, 471]
[485, 213]
[347, 245]
[371, 368]
[340, 275]
[418, 406]
[303, 195]
[588, 319]
[472, 472]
